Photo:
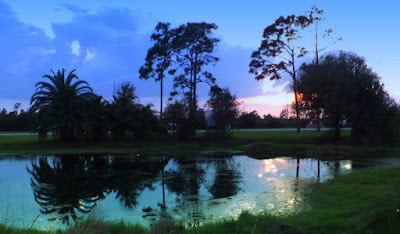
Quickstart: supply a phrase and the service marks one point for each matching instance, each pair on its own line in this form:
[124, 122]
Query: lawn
[260, 144]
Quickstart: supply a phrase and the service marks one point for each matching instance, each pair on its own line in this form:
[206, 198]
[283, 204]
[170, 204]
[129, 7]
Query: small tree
[98, 122]
[279, 43]
[174, 114]
[224, 108]
[123, 110]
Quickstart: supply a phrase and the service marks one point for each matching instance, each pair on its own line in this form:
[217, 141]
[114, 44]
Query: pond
[49, 192]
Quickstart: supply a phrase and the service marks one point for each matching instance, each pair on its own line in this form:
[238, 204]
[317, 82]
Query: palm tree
[61, 105]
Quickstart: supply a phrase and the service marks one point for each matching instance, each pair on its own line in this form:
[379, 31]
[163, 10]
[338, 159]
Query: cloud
[26, 50]
[105, 47]
[113, 49]
[89, 55]
[75, 47]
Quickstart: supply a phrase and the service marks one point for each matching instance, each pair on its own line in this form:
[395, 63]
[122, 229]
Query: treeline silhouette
[16, 121]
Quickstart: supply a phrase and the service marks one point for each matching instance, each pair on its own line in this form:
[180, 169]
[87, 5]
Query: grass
[259, 144]
[362, 202]
[14, 145]
[285, 136]
[352, 203]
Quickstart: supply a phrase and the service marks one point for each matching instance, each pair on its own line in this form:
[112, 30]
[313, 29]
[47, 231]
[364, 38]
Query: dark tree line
[71, 111]
[254, 120]
[15, 120]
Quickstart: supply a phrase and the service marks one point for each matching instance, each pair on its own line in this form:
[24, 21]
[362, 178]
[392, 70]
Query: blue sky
[106, 41]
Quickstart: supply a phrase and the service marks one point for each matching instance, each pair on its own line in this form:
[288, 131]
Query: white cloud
[89, 55]
[75, 47]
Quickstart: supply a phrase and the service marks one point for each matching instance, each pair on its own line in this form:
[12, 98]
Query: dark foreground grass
[362, 202]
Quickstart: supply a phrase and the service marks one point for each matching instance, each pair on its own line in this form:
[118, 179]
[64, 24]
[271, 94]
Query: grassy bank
[362, 202]
[260, 144]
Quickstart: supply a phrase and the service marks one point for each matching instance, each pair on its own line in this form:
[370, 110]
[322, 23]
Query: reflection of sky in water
[262, 185]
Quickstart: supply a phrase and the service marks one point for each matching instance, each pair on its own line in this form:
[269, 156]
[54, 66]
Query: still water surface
[49, 192]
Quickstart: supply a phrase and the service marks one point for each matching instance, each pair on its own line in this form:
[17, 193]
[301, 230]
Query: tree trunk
[195, 84]
[295, 92]
[163, 190]
[297, 110]
[161, 97]
[191, 94]
[317, 63]
[336, 135]
[194, 93]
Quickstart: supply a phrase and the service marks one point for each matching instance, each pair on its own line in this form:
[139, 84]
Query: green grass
[14, 145]
[352, 203]
[286, 136]
[260, 144]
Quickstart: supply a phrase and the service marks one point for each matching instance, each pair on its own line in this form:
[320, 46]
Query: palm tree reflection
[70, 185]
[65, 187]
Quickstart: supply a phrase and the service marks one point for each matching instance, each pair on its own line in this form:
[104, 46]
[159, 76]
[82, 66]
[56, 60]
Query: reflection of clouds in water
[272, 166]
[347, 166]
[270, 179]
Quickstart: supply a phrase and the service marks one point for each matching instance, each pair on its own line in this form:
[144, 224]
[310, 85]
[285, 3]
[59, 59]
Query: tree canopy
[348, 90]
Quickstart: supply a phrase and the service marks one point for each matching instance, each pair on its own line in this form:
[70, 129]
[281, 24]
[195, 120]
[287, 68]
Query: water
[54, 191]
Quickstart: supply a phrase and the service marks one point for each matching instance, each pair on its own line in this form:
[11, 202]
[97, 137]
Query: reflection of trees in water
[227, 179]
[333, 168]
[187, 178]
[65, 187]
[130, 176]
[185, 181]
[69, 186]
[74, 184]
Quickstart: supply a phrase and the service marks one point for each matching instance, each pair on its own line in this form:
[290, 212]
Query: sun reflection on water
[272, 166]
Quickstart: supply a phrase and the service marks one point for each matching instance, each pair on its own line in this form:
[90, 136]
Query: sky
[107, 41]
